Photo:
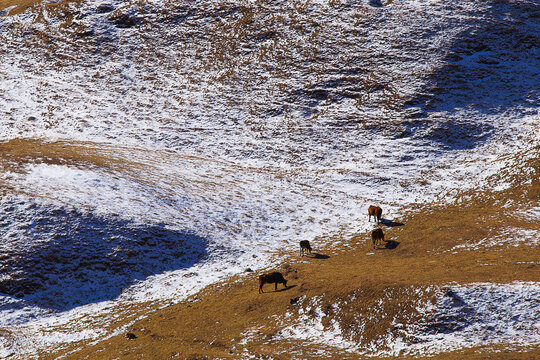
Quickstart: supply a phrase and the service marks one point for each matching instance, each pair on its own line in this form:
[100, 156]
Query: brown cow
[269, 278]
[376, 212]
[377, 235]
[305, 246]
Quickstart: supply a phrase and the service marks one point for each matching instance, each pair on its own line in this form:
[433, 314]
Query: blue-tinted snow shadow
[492, 65]
[451, 134]
[454, 314]
[71, 258]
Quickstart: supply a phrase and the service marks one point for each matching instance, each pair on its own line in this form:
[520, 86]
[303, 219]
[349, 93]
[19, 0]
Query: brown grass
[21, 5]
[17, 153]
[211, 324]
[133, 163]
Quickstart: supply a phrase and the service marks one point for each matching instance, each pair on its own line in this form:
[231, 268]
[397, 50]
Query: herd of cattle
[275, 277]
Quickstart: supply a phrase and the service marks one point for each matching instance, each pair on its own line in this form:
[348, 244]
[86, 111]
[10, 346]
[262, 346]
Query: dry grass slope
[16, 154]
[230, 320]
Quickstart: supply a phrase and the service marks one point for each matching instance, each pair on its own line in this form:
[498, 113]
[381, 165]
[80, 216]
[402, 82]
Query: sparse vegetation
[362, 294]
[255, 124]
[231, 319]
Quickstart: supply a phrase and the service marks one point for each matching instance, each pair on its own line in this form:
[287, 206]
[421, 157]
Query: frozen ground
[464, 316]
[247, 127]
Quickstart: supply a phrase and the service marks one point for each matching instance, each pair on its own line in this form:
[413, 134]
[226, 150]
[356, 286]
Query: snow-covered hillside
[233, 129]
[463, 316]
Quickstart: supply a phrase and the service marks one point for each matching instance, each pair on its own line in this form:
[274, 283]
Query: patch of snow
[480, 314]
[534, 213]
[464, 316]
[507, 237]
[311, 329]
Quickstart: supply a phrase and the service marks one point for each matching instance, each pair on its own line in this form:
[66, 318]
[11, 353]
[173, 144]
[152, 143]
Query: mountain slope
[150, 149]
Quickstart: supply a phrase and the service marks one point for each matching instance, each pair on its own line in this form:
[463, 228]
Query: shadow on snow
[493, 63]
[69, 258]
[491, 66]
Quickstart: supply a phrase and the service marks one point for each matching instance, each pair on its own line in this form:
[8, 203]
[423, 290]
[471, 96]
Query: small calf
[269, 278]
[376, 236]
[376, 212]
[305, 247]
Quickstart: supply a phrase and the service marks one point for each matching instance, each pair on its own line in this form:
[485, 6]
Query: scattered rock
[122, 20]
[249, 270]
[294, 301]
[293, 274]
[131, 336]
[317, 94]
[286, 269]
[104, 8]
[448, 292]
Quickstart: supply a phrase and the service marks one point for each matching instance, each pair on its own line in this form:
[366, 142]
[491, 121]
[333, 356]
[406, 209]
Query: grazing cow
[269, 278]
[376, 236]
[376, 212]
[305, 247]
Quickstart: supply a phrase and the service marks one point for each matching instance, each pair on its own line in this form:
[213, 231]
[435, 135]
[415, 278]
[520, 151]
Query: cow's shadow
[391, 223]
[285, 288]
[319, 256]
[391, 244]
[70, 258]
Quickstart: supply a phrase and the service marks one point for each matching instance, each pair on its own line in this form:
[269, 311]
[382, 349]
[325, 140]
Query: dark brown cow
[376, 212]
[305, 247]
[269, 278]
[376, 236]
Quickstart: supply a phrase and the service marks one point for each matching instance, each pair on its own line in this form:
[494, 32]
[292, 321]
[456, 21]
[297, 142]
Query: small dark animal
[269, 278]
[376, 236]
[376, 212]
[131, 336]
[305, 247]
